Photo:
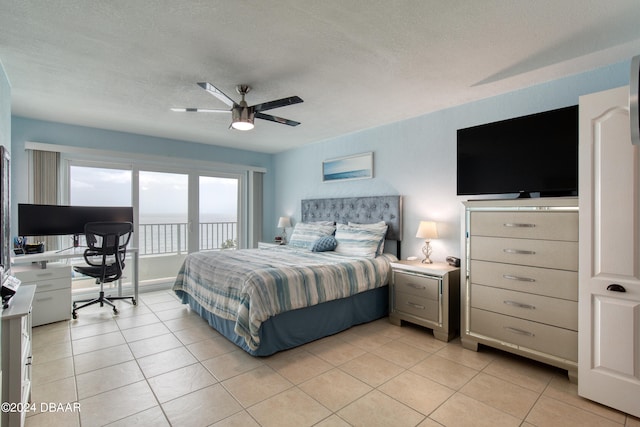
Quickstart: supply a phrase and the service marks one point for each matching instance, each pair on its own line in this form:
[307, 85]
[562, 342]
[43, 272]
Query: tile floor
[158, 364]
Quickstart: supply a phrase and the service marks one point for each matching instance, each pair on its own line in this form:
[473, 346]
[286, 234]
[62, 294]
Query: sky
[161, 194]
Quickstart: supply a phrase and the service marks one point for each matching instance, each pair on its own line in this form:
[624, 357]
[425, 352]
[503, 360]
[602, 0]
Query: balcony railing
[171, 238]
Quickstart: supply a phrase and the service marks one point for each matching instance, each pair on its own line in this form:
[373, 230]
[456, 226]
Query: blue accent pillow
[323, 244]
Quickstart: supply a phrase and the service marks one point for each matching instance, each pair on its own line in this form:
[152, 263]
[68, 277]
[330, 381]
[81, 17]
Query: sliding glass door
[97, 186]
[177, 212]
[163, 232]
[218, 213]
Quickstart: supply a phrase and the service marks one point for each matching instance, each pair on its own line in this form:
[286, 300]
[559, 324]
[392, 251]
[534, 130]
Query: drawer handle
[519, 252]
[520, 305]
[518, 278]
[43, 299]
[414, 286]
[518, 225]
[45, 285]
[44, 274]
[410, 304]
[519, 331]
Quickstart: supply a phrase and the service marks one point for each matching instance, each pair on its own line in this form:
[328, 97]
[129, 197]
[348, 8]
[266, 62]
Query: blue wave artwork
[347, 168]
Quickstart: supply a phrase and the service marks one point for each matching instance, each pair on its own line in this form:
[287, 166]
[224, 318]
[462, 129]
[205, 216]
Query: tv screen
[55, 220]
[530, 154]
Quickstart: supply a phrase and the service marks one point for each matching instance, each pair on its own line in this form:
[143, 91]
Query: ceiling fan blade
[199, 110]
[217, 93]
[276, 119]
[277, 103]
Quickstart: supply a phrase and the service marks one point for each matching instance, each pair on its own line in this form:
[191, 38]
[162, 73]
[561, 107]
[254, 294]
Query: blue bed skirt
[297, 327]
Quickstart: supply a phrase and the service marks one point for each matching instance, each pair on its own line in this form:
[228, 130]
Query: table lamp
[283, 223]
[427, 230]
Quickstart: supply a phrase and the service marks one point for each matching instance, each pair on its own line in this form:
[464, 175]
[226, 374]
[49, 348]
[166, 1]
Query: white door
[609, 297]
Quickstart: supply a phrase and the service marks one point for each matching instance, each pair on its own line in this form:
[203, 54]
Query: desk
[24, 262]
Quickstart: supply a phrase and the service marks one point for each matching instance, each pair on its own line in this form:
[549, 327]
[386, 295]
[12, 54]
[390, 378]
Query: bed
[273, 299]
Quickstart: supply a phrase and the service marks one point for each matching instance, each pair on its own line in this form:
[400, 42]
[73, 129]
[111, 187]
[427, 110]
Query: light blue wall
[417, 158]
[30, 130]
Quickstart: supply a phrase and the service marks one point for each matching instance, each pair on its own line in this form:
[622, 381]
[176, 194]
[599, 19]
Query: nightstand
[427, 295]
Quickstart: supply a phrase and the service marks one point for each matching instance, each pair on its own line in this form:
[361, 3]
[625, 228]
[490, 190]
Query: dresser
[520, 290]
[16, 357]
[426, 295]
[52, 301]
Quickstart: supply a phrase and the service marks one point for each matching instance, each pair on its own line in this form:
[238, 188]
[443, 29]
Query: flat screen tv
[534, 155]
[57, 220]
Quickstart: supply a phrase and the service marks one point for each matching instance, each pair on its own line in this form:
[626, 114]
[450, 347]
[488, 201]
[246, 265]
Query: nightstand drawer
[535, 280]
[557, 342]
[538, 253]
[415, 284]
[526, 225]
[551, 311]
[423, 308]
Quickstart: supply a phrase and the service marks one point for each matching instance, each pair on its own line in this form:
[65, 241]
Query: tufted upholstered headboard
[358, 209]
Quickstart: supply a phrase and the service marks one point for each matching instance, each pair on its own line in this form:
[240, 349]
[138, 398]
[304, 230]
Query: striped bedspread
[251, 285]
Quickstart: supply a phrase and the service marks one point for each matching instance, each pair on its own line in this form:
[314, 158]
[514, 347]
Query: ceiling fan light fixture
[242, 118]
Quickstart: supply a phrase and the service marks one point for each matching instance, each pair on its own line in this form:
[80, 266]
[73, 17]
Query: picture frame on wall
[358, 166]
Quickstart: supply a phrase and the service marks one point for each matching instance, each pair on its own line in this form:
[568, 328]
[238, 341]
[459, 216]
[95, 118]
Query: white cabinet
[52, 301]
[609, 170]
[427, 295]
[16, 356]
[520, 289]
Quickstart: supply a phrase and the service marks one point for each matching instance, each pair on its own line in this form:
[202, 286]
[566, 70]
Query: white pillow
[305, 234]
[381, 225]
[358, 241]
[332, 223]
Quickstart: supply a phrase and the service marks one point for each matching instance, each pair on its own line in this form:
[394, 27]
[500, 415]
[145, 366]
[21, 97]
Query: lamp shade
[242, 118]
[427, 230]
[284, 222]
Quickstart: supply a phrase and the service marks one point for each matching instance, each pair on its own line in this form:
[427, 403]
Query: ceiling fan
[242, 115]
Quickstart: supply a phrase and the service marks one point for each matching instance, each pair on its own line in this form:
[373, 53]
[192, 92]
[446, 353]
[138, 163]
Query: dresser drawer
[51, 306]
[538, 253]
[415, 284]
[30, 274]
[542, 281]
[424, 308]
[526, 225]
[555, 341]
[551, 311]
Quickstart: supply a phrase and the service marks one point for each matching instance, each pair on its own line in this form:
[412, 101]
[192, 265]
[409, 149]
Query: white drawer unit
[427, 295]
[52, 301]
[520, 283]
[16, 356]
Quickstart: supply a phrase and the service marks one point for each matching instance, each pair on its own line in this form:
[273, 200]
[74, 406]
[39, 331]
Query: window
[175, 211]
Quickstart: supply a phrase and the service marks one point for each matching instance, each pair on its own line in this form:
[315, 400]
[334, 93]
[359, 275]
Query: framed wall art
[358, 166]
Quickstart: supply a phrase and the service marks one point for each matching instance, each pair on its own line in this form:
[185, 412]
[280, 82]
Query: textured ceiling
[357, 64]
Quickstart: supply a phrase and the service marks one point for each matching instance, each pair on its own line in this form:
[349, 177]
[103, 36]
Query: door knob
[616, 288]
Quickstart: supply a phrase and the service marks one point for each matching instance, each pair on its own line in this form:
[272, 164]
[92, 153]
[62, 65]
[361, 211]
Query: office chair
[107, 247]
